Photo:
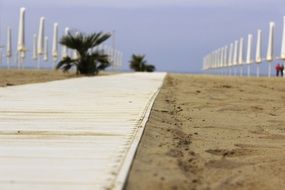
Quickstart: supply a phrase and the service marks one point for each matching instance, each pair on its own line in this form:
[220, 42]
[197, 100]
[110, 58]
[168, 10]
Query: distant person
[277, 68]
[281, 70]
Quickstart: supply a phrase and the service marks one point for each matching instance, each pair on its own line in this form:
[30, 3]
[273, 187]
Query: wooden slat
[73, 134]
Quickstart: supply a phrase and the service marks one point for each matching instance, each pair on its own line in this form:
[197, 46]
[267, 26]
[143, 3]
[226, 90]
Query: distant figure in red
[281, 70]
[278, 69]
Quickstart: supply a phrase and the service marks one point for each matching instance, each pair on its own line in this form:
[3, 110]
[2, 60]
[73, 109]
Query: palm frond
[149, 68]
[66, 63]
[83, 43]
[138, 63]
[101, 60]
[89, 62]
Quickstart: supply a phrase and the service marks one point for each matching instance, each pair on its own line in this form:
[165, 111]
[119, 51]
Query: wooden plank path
[75, 134]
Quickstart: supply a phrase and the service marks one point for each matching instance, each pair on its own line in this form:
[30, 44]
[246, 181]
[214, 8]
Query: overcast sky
[173, 34]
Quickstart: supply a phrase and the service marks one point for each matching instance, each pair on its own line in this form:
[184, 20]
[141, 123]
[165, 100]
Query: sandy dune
[214, 133]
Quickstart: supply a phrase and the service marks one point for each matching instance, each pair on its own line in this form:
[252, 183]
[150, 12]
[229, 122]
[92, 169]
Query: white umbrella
[35, 55]
[215, 59]
[222, 59]
[230, 58]
[120, 59]
[283, 41]
[21, 31]
[111, 55]
[235, 58]
[240, 56]
[9, 46]
[270, 48]
[55, 43]
[225, 56]
[40, 42]
[258, 56]
[64, 51]
[46, 49]
[249, 54]
[41, 34]
[21, 35]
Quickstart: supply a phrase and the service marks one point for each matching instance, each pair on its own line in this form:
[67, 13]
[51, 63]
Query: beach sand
[18, 77]
[208, 132]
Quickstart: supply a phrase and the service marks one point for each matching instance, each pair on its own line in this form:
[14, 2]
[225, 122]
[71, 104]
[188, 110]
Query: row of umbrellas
[232, 56]
[41, 49]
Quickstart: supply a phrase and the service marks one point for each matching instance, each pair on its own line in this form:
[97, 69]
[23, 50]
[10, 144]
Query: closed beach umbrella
[249, 53]
[230, 54]
[249, 58]
[222, 57]
[258, 56]
[40, 41]
[64, 51]
[55, 42]
[110, 55]
[9, 45]
[216, 58]
[41, 34]
[211, 60]
[21, 33]
[225, 56]
[46, 49]
[21, 37]
[270, 47]
[283, 41]
[230, 63]
[35, 55]
[235, 58]
[240, 56]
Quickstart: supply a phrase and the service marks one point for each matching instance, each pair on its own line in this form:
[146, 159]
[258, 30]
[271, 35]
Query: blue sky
[174, 35]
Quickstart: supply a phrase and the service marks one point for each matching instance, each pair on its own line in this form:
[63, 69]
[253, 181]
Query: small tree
[89, 62]
[139, 64]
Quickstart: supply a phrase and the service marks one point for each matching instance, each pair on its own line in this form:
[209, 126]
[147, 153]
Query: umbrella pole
[19, 61]
[257, 70]
[248, 71]
[269, 70]
[39, 62]
[54, 64]
[22, 63]
[8, 62]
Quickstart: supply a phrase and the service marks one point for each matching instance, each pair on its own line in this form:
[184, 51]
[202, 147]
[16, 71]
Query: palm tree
[89, 62]
[138, 63]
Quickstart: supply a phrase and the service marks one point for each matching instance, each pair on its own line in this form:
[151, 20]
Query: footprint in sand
[230, 153]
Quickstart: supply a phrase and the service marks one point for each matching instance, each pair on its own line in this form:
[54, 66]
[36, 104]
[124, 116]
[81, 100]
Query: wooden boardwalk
[75, 134]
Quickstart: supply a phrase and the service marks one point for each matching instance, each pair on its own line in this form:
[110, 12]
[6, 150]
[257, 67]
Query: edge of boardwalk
[126, 166]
